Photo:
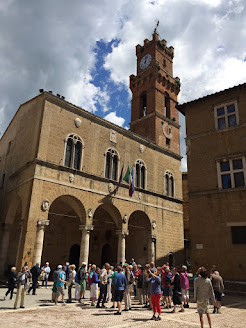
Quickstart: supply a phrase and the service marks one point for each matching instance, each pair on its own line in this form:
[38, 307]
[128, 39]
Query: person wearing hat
[155, 292]
[61, 281]
[46, 272]
[55, 277]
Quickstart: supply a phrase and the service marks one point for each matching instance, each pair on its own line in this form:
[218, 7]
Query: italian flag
[131, 184]
[127, 175]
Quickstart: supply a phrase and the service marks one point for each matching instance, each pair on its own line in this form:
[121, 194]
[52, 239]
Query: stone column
[152, 242]
[85, 243]
[38, 248]
[122, 245]
[4, 247]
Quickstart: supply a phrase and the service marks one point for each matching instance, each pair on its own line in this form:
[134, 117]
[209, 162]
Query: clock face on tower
[145, 61]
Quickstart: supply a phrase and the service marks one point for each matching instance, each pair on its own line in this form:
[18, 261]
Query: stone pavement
[39, 312]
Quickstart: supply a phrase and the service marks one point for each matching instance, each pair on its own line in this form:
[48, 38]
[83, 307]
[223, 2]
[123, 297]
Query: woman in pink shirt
[184, 284]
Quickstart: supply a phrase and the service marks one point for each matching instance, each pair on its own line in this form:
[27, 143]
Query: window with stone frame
[169, 184]
[231, 173]
[167, 109]
[111, 167]
[73, 152]
[140, 174]
[226, 115]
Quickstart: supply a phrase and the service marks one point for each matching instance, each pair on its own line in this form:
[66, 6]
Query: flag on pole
[131, 186]
[127, 175]
[121, 174]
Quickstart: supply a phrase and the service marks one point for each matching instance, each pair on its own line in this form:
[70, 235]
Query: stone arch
[113, 212]
[72, 202]
[106, 221]
[66, 214]
[139, 238]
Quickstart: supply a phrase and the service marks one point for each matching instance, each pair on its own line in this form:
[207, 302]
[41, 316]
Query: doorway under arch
[74, 255]
[62, 236]
[103, 238]
[137, 242]
[108, 254]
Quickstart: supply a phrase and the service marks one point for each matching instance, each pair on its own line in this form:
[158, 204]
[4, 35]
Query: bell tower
[154, 95]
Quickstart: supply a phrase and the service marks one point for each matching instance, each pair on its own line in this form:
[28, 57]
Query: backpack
[82, 274]
[91, 279]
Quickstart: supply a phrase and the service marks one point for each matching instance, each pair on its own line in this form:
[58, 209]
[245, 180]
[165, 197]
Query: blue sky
[119, 97]
[86, 50]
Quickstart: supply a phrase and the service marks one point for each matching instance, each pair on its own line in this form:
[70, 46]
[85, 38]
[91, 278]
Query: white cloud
[87, 95]
[112, 117]
[58, 51]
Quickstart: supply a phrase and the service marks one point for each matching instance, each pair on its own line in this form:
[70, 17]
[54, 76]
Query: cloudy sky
[85, 50]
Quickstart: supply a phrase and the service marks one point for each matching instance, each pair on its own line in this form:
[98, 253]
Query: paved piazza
[39, 312]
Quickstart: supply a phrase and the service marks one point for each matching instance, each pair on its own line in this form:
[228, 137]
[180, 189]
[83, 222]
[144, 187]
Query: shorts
[60, 290]
[94, 290]
[202, 306]
[167, 291]
[185, 294]
[218, 296]
[118, 295]
[83, 284]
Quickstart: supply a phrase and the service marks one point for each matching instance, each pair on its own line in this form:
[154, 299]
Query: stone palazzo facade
[216, 156]
[60, 195]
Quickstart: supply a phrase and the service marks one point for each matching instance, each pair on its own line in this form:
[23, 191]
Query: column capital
[86, 227]
[122, 233]
[43, 223]
[153, 238]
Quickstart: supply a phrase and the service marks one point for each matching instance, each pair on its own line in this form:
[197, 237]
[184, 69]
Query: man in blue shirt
[119, 287]
[61, 281]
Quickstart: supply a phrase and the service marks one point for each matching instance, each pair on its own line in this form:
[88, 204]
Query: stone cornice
[214, 131]
[216, 191]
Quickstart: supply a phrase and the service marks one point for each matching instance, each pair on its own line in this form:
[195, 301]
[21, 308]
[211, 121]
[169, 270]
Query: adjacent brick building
[216, 154]
[60, 165]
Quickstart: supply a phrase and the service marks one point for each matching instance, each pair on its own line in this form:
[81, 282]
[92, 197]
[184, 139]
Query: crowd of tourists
[151, 286]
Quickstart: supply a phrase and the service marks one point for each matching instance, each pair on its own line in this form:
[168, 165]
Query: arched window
[140, 174]
[169, 184]
[143, 105]
[111, 168]
[167, 111]
[73, 152]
